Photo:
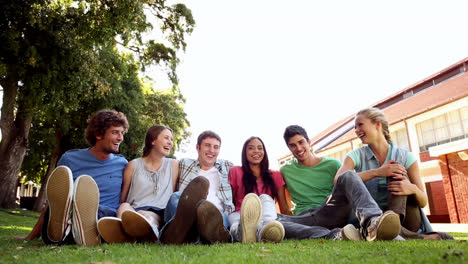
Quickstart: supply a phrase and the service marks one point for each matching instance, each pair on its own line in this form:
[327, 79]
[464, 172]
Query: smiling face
[208, 151]
[110, 141]
[365, 130]
[300, 148]
[255, 152]
[164, 142]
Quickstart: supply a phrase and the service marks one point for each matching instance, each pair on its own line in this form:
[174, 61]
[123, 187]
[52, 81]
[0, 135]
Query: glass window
[464, 118]
[454, 125]
[441, 129]
[400, 138]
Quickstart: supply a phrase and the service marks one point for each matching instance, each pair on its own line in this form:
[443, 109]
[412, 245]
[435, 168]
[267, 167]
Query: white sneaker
[384, 227]
[349, 232]
[85, 210]
[59, 191]
[273, 231]
[250, 215]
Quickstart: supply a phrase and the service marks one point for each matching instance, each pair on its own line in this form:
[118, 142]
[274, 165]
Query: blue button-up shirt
[364, 159]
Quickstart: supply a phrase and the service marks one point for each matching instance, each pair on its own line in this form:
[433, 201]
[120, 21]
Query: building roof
[438, 89]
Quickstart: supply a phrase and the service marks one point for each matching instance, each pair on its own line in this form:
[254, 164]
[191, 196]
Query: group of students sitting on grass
[95, 195]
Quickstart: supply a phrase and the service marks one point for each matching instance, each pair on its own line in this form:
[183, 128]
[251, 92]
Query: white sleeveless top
[150, 188]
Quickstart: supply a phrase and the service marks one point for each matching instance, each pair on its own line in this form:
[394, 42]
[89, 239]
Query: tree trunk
[15, 131]
[39, 204]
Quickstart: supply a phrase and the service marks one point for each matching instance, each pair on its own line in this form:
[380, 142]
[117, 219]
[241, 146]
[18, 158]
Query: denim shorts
[153, 209]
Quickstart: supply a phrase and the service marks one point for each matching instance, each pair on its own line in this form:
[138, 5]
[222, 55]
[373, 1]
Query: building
[429, 118]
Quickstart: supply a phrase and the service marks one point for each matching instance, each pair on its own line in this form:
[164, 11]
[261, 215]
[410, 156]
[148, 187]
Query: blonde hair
[375, 114]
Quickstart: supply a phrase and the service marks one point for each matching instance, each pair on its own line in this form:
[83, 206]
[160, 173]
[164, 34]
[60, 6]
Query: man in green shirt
[319, 203]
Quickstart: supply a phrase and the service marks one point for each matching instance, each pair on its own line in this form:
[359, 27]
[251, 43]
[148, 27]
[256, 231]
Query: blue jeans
[171, 209]
[349, 194]
[106, 211]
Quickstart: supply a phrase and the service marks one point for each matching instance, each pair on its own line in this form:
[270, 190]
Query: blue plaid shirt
[190, 168]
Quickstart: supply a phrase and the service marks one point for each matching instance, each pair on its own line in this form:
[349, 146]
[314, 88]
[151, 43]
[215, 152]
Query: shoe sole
[349, 232]
[177, 230]
[111, 230]
[210, 224]
[272, 232]
[59, 194]
[388, 227]
[85, 208]
[250, 214]
[136, 225]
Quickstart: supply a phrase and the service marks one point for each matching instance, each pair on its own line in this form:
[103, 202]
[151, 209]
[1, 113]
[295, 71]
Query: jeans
[349, 194]
[104, 211]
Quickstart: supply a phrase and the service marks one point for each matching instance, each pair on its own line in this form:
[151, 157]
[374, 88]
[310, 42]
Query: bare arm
[283, 204]
[175, 174]
[348, 164]
[127, 180]
[388, 169]
[414, 185]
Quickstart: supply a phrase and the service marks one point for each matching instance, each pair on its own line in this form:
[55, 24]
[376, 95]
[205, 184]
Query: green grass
[290, 251]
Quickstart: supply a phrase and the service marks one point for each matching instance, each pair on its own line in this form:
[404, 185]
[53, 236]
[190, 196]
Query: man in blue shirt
[86, 184]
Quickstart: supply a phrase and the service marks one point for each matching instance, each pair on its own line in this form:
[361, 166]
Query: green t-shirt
[310, 186]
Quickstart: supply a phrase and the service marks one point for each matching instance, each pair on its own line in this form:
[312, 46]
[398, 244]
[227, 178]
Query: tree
[50, 52]
[50, 138]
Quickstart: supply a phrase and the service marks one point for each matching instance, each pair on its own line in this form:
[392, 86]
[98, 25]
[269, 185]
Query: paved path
[463, 228]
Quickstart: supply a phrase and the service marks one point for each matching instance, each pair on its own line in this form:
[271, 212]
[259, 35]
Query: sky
[253, 67]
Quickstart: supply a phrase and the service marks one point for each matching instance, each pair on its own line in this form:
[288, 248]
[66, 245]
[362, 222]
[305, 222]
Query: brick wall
[426, 156]
[436, 196]
[455, 178]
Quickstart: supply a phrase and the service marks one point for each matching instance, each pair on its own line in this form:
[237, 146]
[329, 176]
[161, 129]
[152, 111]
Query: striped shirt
[190, 168]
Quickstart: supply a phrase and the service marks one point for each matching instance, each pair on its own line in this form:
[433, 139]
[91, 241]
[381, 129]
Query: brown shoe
[210, 223]
[176, 231]
[111, 230]
[136, 225]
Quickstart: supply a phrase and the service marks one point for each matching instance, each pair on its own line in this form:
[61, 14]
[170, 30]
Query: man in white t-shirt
[199, 210]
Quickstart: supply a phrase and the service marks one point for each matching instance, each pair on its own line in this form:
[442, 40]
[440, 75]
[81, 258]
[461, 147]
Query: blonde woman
[390, 173]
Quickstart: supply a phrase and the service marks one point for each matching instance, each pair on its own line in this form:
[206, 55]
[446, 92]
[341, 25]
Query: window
[442, 129]
[340, 155]
[286, 161]
[400, 138]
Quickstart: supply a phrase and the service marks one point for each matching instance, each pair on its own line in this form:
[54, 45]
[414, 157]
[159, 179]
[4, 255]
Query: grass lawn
[290, 251]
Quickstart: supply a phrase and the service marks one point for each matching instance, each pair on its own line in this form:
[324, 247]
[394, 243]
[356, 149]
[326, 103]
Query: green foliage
[59, 59]
[125, 94]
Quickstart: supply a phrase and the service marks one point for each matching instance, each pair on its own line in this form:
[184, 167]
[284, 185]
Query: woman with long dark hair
[255, 189]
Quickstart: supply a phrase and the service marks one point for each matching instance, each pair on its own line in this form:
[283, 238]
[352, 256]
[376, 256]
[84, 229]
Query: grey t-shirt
[150, 188]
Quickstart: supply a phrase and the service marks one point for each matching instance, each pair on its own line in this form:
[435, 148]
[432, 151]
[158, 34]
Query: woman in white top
[148, 183]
